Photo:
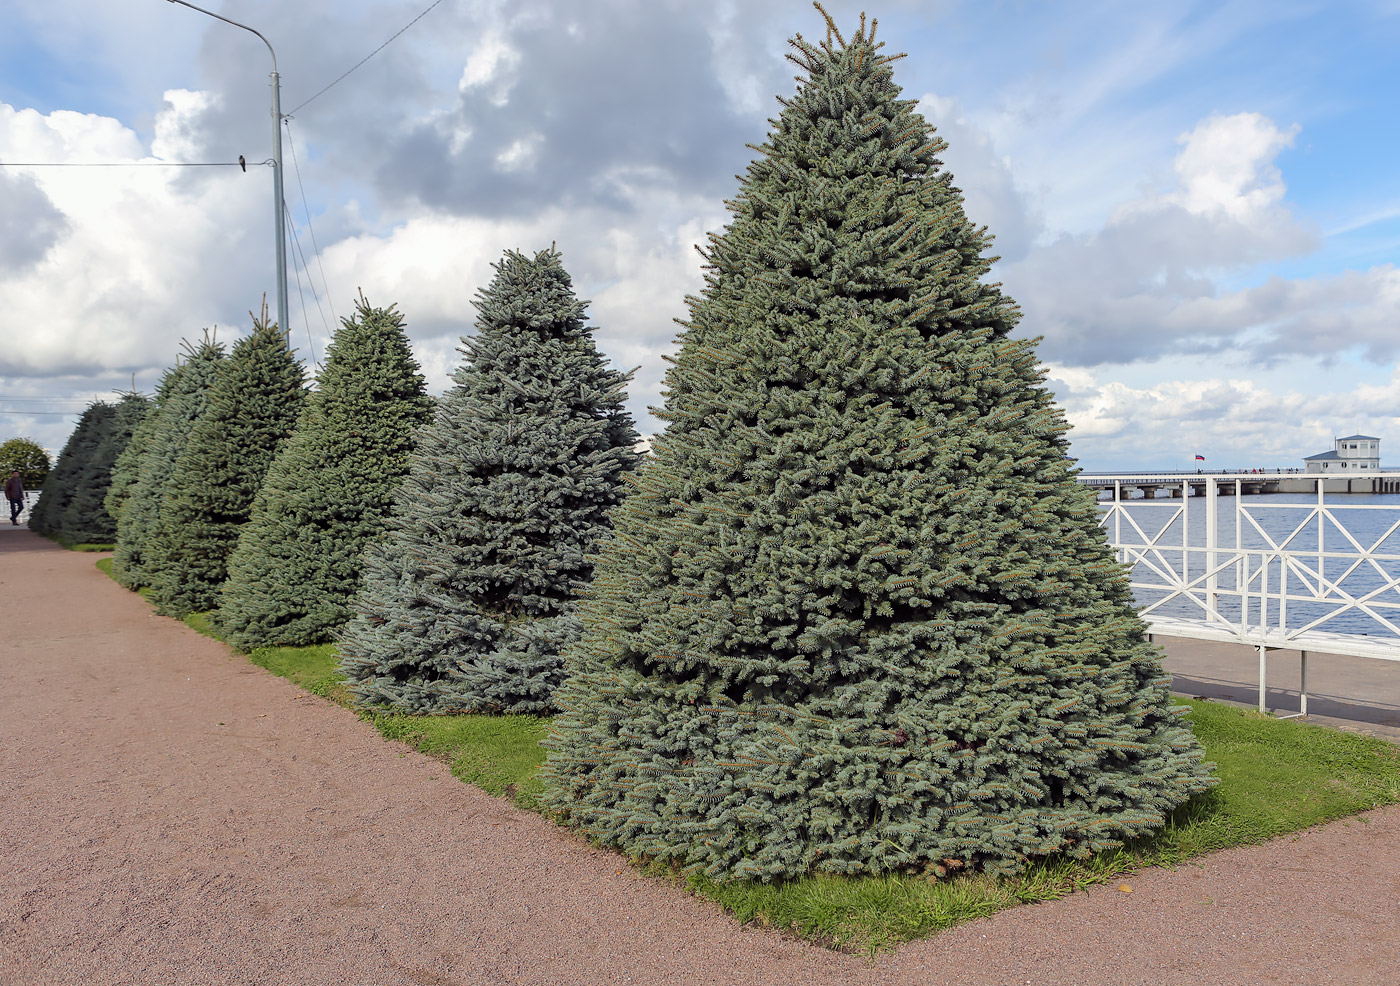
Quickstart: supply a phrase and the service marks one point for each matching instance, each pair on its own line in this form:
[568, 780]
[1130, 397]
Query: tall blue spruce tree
[469, 602]
[251, 410]
[293, 573]
[143, 502]
[859, 617]
[127, 469]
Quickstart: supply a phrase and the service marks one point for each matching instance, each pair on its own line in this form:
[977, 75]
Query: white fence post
[1212, 536]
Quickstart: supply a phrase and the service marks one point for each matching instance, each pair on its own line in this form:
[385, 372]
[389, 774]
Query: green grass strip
[1276, 777]
[68, 545]
[105, 565]
[499, 754]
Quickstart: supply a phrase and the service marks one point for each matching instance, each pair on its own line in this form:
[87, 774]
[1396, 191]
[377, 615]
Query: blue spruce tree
[251, 410]
[146, 498]
[468, 603]
[858, 616]
[127, 469]
[293, 572]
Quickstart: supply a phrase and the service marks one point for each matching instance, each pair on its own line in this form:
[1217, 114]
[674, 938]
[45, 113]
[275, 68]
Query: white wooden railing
[1320, 576]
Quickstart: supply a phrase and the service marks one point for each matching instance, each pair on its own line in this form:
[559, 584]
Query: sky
[1195, 204]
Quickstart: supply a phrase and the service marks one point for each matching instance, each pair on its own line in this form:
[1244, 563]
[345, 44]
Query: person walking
[14, 492]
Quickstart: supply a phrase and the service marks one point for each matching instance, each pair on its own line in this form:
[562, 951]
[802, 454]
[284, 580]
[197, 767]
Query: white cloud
[1234, 421]
[177, 130]
[1226, 165]
[1150, 280]
[520, 155]
[147, 254]
[488, 59]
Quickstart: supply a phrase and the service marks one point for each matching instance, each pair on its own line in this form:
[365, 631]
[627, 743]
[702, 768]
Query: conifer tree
[858, 616]
[251, 410]
[61, 484]
[86, 519]
[294, 571]
[127, 469]
[132, 563]
[470, 600]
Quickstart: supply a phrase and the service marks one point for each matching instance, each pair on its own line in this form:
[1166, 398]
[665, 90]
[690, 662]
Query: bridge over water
[1178, 484]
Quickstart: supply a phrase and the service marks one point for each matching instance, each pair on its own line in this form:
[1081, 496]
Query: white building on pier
[1352, 453]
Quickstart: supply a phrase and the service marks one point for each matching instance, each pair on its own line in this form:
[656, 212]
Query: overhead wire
[134, 164]
[321, 92]
[315, 247]
[305, 318]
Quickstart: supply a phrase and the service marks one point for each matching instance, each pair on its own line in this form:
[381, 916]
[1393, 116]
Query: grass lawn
[105, 564]
[1276, 776]
[71, 546]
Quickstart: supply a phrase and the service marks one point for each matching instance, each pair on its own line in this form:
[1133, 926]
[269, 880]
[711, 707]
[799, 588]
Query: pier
[1178, 484]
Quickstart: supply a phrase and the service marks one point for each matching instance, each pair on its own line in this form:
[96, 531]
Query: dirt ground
[170, 814]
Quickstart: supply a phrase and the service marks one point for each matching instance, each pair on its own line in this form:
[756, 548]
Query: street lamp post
[278, 220]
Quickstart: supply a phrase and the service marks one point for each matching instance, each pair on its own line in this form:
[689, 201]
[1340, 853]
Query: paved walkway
[1358, 694]
[170, 814]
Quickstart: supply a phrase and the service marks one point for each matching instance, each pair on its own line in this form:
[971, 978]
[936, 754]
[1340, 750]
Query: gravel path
[170, 814]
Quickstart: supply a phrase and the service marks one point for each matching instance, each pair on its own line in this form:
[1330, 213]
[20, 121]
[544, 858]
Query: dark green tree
[127, 469]
[294, 571]
[146, 499]
[859, 617]
[86, 519]
[469, 602]
[29, 457]
[251, 411]
[61, 483]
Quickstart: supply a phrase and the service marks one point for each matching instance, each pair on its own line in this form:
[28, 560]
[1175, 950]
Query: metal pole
[279, 216]
[279, 222]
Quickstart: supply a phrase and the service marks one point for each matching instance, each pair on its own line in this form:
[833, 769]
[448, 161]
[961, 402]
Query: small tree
[61, 483]
[469, 602]
[251, 411]
[86, 518]
[132, 563]
[859, 616]
[28, 457]
[328, 492]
